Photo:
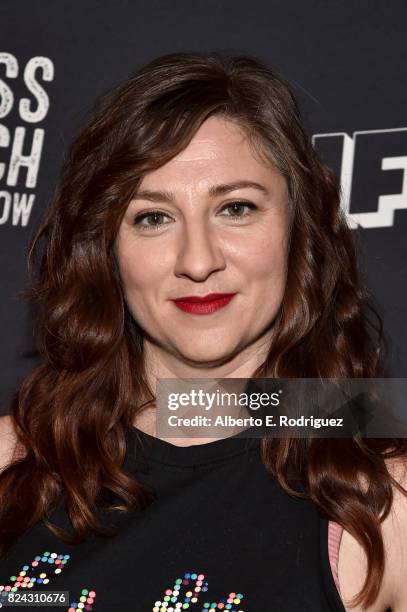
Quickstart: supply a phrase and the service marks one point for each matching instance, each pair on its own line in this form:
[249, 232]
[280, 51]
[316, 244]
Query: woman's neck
[161, 364]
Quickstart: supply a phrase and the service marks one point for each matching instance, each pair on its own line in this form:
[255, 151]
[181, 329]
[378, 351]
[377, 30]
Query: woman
[196, 177]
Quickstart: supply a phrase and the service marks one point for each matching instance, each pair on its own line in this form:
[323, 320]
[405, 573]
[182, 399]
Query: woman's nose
[199, 252]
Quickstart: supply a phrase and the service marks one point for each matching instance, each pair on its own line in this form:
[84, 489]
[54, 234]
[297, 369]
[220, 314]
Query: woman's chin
[206, 356]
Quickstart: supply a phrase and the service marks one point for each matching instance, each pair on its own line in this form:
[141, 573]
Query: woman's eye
[237, 209]
[143, 221]
[154, 219]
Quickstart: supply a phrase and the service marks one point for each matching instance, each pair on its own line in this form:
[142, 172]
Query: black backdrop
[344, 59]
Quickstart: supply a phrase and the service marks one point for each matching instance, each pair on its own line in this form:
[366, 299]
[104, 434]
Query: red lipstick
[205, 304]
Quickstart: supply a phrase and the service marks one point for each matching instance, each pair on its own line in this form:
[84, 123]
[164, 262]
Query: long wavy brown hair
[72, 413]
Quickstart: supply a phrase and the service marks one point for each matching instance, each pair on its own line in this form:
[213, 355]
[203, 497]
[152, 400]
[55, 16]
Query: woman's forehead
[215, 134]
[218, 152]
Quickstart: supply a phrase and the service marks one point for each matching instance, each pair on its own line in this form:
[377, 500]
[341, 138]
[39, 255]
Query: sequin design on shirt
[186, 593]
[85, 601]
[34, 574]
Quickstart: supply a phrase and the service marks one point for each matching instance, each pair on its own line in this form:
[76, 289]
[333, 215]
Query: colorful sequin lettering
[85, 601]
[32, 574]
[186, 592]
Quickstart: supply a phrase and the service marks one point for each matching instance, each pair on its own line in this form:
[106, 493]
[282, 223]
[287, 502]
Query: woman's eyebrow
[214, 190]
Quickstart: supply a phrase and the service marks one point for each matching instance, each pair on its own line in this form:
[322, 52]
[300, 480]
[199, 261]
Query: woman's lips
[195, 305]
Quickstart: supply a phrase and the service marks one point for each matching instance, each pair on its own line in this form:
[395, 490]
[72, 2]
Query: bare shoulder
[395, 536]
[7, 440]
[352, 559]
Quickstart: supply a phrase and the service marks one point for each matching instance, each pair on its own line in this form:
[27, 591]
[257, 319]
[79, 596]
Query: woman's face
[196, 226]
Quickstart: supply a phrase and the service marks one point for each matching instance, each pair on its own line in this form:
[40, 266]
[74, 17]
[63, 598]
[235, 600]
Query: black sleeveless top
[221, 534]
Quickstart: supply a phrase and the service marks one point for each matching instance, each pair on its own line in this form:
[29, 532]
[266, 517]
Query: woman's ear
[9, 450]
